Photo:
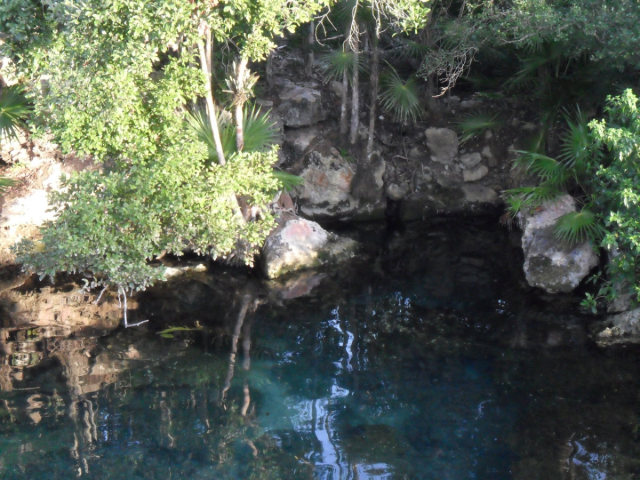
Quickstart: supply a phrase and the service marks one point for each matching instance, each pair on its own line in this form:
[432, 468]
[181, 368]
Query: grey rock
[443, 144]
[298, 244]
[416, 154]
[335, 189]
[549, 263]
[622, 327]
[470, 104]
[300, 139]
[336, 87]
[368, 180]
[475, 174]
[300, 106]
[397, 192]
[470, 160]
[479, 194]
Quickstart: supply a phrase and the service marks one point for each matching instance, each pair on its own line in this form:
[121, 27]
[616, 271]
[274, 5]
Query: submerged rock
[623, 327]
[297, 244]
[551, 264]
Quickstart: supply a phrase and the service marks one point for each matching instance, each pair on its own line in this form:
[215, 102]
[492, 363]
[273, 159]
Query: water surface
[426, 359]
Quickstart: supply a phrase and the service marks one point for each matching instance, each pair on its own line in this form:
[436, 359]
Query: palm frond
[575, 227]
[476, 123]
[339, 61]
[548, 169]
[259, 132]
[288, 180]
[198, 122]
[14, 109]
[534, 196]
[577, 143]
[409, 49]
[6, 183]
[400, 97]
[514, 205]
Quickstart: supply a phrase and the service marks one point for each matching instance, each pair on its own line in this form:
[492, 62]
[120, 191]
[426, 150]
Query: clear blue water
[427, 359]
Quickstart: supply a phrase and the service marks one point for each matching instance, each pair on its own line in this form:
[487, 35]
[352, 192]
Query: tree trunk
[269, 69]
[309, 60]
[239, 101]
[344, 119]
[374, 94]
[355, 95]
[211, 109]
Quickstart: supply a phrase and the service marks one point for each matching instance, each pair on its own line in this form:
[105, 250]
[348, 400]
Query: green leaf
[476, 123]
[576, 227]
[400, 97]
[14, 109]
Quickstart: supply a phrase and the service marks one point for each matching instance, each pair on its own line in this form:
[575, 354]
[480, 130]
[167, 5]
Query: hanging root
[123, 305]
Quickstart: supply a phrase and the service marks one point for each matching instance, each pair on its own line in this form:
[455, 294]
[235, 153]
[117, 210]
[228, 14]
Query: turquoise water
[425, 359]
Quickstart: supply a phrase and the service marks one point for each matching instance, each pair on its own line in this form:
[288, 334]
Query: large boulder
[300, 105]
[336, 189]
[297, 244]
[551, 264]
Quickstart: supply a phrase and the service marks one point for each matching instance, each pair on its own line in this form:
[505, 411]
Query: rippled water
[426, 359]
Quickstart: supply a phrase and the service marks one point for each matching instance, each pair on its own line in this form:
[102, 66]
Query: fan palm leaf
[575, 227]
[548, 169]
[577, 147]
[476, 123]
[288, 181]
[259, 132]
[400, 97]
[14, 109]
[339, 61]
[5, 183]
[534, 196]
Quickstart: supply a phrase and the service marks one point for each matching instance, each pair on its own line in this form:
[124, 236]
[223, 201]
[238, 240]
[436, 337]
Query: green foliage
[168, 332]
[601, 163]
[552, 172]
[287, 180]
[14, 109]
[575, 227]
[337, 63]
[112, 223]
[400, 97]
[260, 134]
[616, 193]
[476, 123]
[5, 183]
[259, 131]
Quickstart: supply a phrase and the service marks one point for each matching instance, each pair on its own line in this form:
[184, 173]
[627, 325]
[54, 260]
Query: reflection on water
[426, 361]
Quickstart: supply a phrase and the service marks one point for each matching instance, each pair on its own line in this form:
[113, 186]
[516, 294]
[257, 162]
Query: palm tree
[566, 174]
[14, 109]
